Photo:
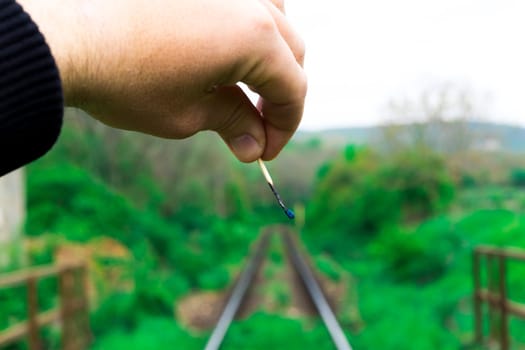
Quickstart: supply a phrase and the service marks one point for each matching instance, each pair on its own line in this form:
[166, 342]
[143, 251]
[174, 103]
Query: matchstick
[289, 213]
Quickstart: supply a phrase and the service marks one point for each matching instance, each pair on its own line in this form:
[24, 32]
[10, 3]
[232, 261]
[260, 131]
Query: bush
[151, 334]
[263, 331]
[406, 318]
[361, 194]
[517, 177]
[115, 312]
[216, 278]
[349, 198]
[488, 226]
[328, 267]
[68, 200]
[420, 255]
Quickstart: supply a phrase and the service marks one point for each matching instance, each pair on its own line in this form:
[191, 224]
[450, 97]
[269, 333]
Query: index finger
[281, 103]
[281, 83]
[288, 33]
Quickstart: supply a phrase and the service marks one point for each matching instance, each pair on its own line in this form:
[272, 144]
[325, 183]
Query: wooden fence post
[84, 311]
[477, 297]
[492, 290]
[504, 336]
[32, 313]
[65, 283]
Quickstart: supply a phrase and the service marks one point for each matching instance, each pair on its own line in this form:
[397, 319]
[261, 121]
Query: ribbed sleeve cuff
[31, 102]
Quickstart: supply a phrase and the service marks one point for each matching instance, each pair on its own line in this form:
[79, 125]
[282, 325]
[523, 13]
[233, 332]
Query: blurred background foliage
[394, 221]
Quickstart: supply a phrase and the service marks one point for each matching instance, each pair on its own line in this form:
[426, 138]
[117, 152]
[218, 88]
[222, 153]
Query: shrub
[420, 255]
[68, 200]
[361, 194]
[264, 331]
[216, 278]
[517, 177]
[151, 334]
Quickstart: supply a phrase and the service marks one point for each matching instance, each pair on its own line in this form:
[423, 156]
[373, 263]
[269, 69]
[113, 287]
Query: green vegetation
[393, 230]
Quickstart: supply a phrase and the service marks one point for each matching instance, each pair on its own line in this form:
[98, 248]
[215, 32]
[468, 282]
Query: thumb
[233, 116]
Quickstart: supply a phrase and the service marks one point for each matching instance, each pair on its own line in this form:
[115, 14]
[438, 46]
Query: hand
[171, 67]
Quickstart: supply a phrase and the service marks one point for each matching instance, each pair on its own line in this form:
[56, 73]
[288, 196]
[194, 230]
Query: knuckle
[300, 50]
[181, 131]
[183, 125]
[302, 86]
[279, 4]
[262, 25]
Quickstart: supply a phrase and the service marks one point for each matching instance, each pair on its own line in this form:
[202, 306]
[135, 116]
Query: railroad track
[247, 277]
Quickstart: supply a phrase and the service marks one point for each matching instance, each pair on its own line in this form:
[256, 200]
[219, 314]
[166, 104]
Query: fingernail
[246, 147]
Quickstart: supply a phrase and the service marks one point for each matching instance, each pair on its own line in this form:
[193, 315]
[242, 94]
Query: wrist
[58, 23]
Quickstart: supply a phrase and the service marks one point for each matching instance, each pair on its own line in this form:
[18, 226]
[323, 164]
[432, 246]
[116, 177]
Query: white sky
[361, 54]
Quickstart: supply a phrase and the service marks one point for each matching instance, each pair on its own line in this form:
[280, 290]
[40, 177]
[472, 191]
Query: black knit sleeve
[31, 102]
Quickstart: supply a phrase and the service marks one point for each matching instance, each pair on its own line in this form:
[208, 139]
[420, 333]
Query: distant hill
[343, 136]
[512, 138]
[488, 136]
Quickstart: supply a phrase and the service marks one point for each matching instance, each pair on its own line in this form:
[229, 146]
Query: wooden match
[265, 171]
[289, 213]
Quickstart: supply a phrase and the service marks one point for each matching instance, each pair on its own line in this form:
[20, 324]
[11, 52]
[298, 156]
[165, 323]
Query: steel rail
[238, 294]
[309, 283]
[317, 295]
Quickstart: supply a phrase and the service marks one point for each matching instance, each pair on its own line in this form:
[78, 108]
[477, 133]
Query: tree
[438, 119]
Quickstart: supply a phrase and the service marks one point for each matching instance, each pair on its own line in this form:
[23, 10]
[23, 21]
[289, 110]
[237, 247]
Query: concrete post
[12, 210]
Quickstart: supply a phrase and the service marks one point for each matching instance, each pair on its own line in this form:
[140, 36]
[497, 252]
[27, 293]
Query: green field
[172, 219]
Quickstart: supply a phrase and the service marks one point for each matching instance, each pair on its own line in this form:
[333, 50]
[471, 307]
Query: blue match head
[289, 213]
